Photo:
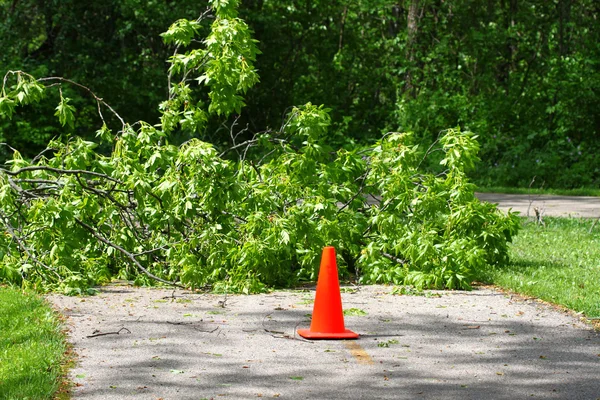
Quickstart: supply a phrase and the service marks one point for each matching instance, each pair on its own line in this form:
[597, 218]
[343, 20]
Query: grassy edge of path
[558, 263]
[34, 353]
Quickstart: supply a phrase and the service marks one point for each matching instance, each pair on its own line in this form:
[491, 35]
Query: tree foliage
[112, 47]
[252, 214]
[523, 74]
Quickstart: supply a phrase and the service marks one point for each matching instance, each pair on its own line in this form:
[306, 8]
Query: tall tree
[412, 28]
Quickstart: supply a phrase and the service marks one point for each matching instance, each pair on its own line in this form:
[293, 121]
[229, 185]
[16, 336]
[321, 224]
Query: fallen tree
[253, 214]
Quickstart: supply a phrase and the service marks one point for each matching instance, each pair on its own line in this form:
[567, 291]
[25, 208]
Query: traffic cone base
[347, 334]
[328, 318]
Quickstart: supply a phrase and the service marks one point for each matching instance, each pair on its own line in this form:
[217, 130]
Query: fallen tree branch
[126, 254]
[13, 234]
[203, 331]
[393, 258]
[172, 296]
[99, 100]
[60, 171]
[109, 333]
[358, 193]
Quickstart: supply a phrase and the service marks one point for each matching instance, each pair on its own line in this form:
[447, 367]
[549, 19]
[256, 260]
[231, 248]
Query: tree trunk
[342, 26]
[396, 15]
[512, 42]
[412, 30]
[564, 17]
[510, 47]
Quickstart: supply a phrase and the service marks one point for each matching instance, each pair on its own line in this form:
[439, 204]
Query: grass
[559, 263]
[32, 347]
[534, 191]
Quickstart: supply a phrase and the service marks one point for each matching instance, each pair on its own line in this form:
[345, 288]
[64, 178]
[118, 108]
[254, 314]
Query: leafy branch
[192, 215]
[127, 254]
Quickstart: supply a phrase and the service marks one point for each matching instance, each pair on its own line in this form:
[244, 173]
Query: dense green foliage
[254, 212]
[32, 347]
[557, 262]
[113, 47]
[523, 75]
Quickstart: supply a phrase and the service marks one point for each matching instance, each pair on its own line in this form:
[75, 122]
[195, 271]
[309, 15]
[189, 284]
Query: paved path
[179, 345]
[549, 205]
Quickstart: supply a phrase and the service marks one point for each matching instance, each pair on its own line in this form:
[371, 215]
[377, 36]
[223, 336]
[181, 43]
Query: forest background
[523, 75]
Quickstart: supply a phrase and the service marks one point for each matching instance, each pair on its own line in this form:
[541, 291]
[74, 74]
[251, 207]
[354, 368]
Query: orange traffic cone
[328, 317]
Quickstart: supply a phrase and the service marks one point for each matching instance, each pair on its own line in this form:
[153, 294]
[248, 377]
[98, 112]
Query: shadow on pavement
[457, 346]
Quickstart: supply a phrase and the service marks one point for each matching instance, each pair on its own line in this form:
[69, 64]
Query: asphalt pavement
[144, 343]
[547, 205]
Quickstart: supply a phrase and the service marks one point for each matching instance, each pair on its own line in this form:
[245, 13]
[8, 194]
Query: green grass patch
[355, 312]
[387, 343]
[534, 191]
[559, 263]
[32, 347]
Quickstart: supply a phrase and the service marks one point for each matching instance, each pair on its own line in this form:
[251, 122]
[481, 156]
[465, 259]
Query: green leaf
[355, 312]
[64, 112]
[104, 133]
[181, 32]
[7, 107]
[225, 8]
